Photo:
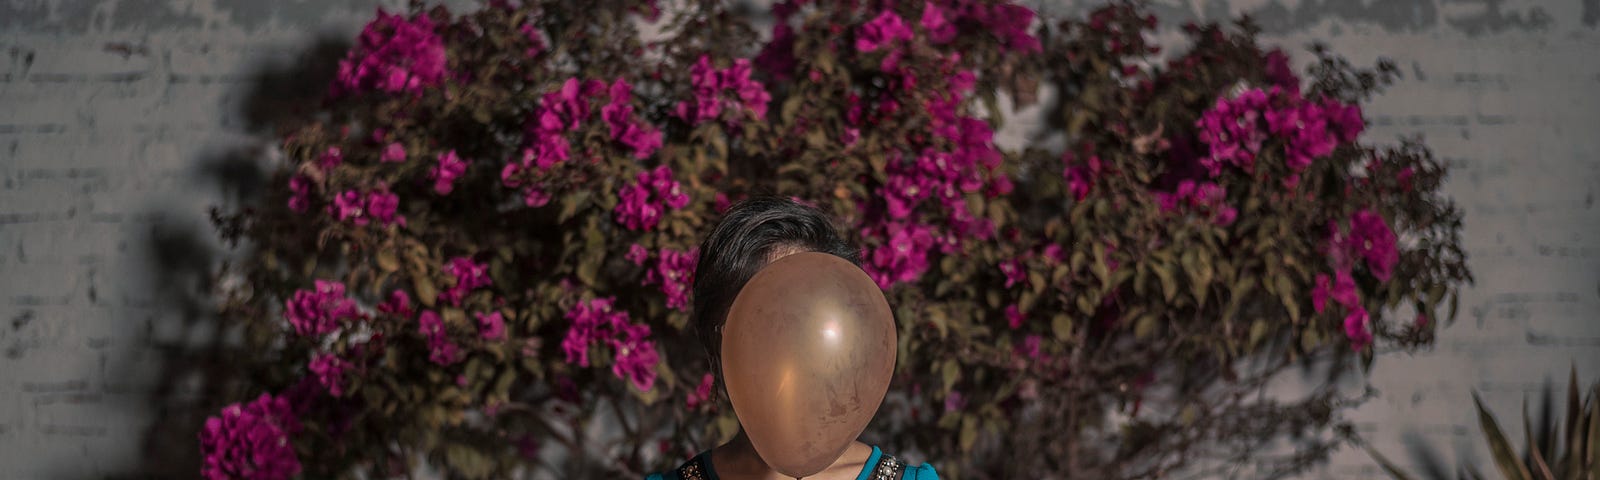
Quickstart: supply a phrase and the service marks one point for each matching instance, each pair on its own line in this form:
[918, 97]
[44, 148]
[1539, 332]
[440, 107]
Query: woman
[754, 233]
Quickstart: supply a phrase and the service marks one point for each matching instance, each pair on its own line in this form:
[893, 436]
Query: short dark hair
[744, 242]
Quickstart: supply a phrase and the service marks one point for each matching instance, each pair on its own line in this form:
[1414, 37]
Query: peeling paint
[1488, 17]
[1392, 15]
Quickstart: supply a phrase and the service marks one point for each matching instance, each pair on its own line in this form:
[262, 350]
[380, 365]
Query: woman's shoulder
[890, 467]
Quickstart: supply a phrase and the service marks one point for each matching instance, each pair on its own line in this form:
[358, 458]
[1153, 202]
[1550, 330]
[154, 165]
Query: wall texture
[123, 121]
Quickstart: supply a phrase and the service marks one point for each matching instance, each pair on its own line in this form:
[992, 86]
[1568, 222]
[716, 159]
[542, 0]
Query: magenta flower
[636, 357]
[939, 29]
[348, 206]
[637, 254]
[399, 304]
[1371, 238]
[300, 193]
[330, 369]
[1014, 316]
[1279, 73]
[393, 153]
[713, 86]
[469, 275]
[1357, 328]
[903, 258]
[886, 29]
[251, 441]
[491, 326]
[588, 319]
[619, 117]
[381, 206]
[675, 273]
[1031, 347]
[1012, 269]
[954, 401]
[330, 158]
[441, 350]
[1342, 289]
[394, 54]
[643, 202]
[535, 39]
[1080, 177]
[319, 311]
[702, 393]
[445, 173]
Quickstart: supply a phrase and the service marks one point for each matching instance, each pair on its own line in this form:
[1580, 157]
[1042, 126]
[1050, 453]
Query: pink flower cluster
[251, 441]
[299, 193]
[1206, 197]
[674, 271]
[491, 326]
[394, 54]
[563, 111]
[625, 126]
[595, 321]
[643, 202]
[360, 209]
[330, 370]
[393, 153]
[887, 29]
[1080, 177]
[444, 174]
[711, 89]
[1371, 240]
[903, 258]
[319, 311]
[441, 350]
[956, 157]
[702, 393]
[1236, 128]
[469, 275]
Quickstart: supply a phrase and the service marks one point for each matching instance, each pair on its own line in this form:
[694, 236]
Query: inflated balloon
[807, 353]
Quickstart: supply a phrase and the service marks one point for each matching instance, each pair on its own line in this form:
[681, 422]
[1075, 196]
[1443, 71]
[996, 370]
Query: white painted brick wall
[116, 115]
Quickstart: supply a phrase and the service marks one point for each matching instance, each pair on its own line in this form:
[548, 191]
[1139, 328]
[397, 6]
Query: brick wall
[122, 122]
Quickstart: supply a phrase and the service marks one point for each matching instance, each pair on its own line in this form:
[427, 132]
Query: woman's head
[754, 232]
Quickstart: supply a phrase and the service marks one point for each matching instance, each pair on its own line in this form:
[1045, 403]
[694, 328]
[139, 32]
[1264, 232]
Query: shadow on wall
[197, 365]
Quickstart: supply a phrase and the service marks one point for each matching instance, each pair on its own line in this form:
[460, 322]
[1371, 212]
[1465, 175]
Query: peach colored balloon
[807, 353]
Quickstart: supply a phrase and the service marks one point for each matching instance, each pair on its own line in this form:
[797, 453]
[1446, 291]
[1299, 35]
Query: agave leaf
[1592, 457]
[1388, 467]
[1574, 460]
[1539, 466]
[1504, 458]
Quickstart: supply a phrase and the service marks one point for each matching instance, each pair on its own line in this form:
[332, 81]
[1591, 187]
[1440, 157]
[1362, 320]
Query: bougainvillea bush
[476, 258]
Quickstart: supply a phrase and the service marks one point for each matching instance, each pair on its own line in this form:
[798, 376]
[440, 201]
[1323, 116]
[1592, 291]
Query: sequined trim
[692, 470]
[888, 468]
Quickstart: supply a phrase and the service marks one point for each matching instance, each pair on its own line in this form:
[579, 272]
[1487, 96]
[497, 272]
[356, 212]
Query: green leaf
[387, 260]
[951, 371]
[1146, 326]
[1510, 465]
[1258, 331]
[1062, 325]
[468, 461]
[1169, 284]
[969, 432]
[427, 293]
[570, 204]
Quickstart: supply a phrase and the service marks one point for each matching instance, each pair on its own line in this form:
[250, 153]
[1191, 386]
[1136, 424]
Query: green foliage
[1056, 317]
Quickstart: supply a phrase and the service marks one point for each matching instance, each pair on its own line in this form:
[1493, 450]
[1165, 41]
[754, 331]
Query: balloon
[807, 352]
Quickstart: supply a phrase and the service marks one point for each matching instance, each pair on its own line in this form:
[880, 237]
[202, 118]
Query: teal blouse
[879, 466]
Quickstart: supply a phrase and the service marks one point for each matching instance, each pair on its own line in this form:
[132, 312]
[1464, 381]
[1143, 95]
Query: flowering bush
[487, 243]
